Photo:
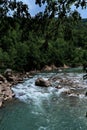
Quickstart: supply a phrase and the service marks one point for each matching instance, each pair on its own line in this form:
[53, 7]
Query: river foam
[30, 93]
[52, 108]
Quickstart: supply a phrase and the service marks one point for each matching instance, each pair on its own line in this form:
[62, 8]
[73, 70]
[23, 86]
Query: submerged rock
[42, 82]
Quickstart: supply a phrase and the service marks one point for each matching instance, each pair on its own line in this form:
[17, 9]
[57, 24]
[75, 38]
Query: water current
[41, 108]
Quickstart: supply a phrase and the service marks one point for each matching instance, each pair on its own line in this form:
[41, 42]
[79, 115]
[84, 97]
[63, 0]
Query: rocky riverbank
[10, 78]
[7, 80]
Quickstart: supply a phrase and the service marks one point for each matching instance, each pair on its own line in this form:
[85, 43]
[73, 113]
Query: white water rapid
[30, 93]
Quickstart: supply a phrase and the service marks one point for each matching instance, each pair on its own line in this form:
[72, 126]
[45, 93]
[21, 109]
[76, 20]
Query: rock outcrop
[8, 79]
[5, 91]
[42, 82]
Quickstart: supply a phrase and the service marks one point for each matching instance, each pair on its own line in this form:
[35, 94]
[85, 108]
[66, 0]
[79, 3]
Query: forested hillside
[28, 43]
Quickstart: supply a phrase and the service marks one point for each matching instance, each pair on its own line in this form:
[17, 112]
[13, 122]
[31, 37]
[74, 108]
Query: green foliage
[31, 43]
[61, 8]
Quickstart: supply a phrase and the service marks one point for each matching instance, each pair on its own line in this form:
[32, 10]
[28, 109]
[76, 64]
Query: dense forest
[28, 43]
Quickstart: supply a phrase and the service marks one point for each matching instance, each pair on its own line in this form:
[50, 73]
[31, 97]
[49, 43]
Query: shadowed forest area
[56, 36]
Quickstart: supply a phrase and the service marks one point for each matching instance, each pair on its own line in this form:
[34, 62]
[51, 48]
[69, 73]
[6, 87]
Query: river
[37, 108]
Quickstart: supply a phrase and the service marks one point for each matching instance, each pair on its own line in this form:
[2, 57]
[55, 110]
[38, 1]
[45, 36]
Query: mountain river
[51, 108]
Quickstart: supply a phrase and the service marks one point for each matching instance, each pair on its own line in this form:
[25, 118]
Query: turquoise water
[44, 108]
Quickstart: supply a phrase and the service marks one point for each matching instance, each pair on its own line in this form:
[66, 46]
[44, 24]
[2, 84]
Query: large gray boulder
[42, 82]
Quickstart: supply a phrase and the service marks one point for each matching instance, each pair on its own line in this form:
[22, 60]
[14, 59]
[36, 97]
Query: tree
[55, 36]
[62, 6]
[3, 8]
[20, 9]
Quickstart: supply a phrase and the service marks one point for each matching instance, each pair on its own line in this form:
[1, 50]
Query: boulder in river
[42, 82]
